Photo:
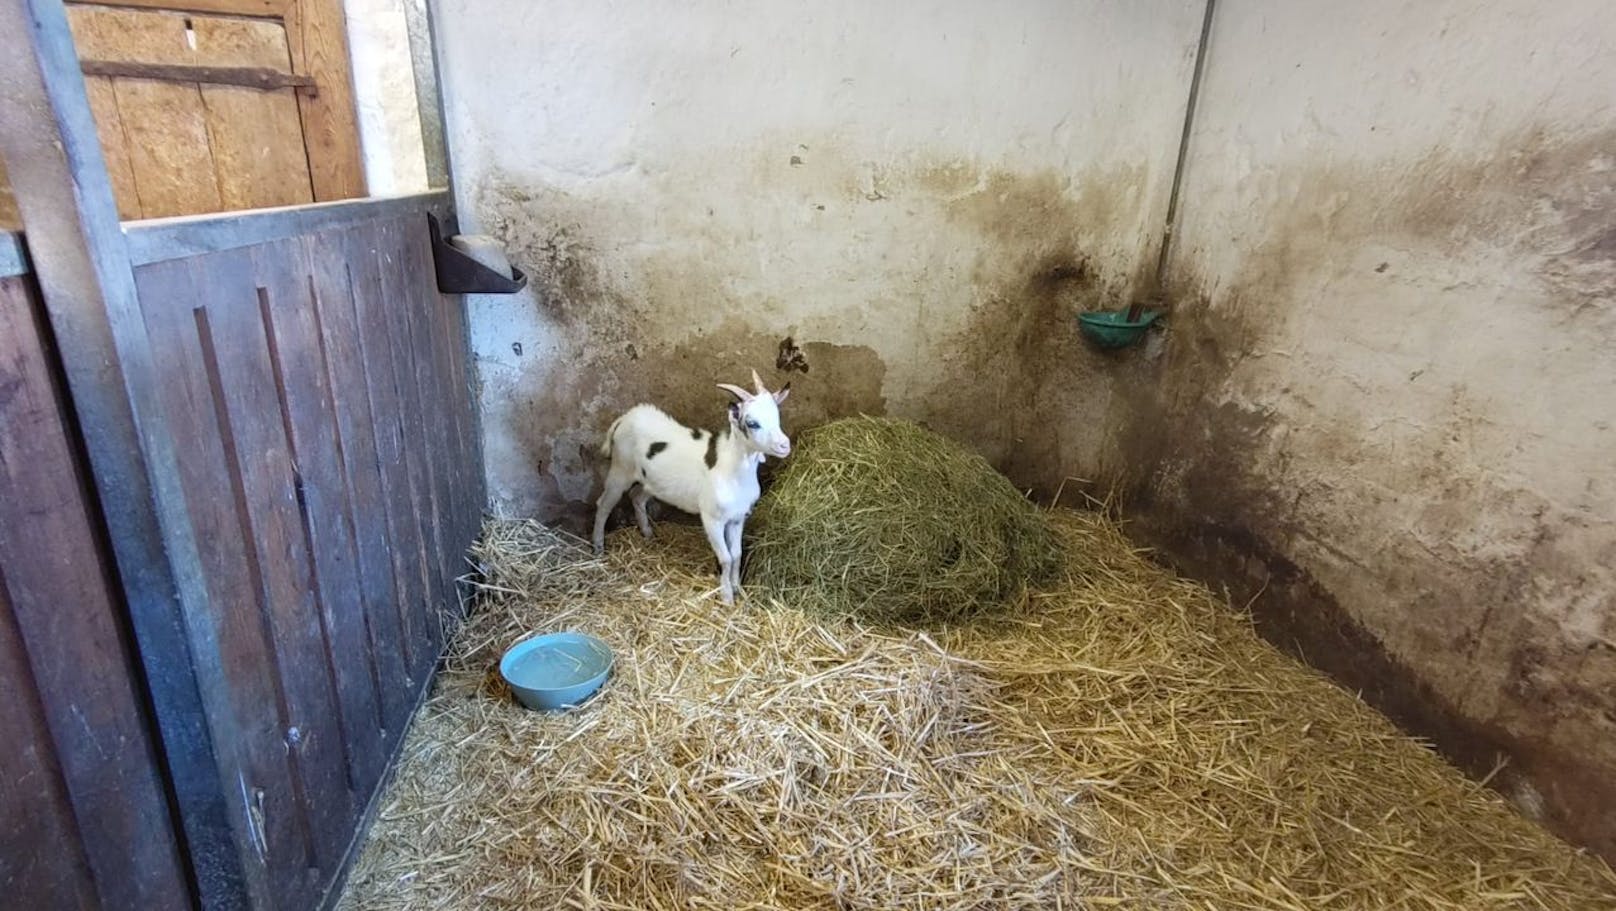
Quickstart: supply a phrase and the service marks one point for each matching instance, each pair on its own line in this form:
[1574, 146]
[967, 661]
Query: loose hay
[1128, 742]
[882, 518]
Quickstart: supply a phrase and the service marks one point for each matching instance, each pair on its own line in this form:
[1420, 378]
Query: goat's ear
[734, 412]
[757, 382]
[737, 391]
[781, 395]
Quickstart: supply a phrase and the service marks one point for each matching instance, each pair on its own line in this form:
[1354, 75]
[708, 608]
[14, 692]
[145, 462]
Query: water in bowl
[556, 666]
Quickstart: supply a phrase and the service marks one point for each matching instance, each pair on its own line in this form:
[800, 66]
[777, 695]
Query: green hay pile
[887, 520]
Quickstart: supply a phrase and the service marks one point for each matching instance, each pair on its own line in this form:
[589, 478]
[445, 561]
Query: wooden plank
[167, 131]
[286, 305]
[416, 316]
[404, 531]
[43, 857]
[68, 616]
[318, 35]
[419, 469]
[447, 443]
[42, 860]
[174, 238]
[345, 371]
[238, 359]
[114, 145]
[171, 293]
[251, 77]
[272, 9]
[53, 155]
[257, 137]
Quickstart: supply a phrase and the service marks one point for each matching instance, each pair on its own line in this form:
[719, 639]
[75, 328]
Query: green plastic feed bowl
[556, 671]
[1112, 329]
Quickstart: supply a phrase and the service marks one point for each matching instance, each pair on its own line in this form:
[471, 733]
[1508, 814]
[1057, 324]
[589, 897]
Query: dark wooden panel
[84, 818]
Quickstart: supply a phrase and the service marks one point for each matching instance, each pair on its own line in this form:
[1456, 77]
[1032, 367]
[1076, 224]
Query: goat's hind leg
[640, 497]
[617, 483]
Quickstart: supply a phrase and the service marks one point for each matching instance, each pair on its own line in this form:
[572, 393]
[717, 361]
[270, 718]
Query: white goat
[703, 473]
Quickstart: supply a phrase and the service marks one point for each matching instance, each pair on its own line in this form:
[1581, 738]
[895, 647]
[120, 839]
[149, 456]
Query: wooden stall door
[331, 477]
[84, 819]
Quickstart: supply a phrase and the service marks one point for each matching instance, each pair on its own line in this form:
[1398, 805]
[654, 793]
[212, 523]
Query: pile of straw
[1126, 742]
[887, 520]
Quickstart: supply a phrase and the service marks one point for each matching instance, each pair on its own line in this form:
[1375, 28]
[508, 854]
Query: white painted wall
[1401, 372]
[689, 182]
[384, 90]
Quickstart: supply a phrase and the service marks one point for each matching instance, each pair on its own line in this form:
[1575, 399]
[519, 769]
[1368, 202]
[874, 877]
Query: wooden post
[51, 151]
[317, 33]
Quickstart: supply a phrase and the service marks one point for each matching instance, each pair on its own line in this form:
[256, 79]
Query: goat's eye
[753, 424]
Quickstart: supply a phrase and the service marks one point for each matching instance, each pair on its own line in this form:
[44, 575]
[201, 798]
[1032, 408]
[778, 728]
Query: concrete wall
[920, 196]
[1388, 399]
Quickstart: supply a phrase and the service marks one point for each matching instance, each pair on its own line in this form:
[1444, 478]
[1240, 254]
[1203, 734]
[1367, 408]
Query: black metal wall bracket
[460, 274]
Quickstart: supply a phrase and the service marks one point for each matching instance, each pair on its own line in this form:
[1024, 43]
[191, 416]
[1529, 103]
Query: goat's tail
[606, 445]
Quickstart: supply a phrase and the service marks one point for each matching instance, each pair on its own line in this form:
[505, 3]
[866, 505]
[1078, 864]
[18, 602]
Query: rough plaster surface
[1390, 386]
[920, 196]
[384, 88]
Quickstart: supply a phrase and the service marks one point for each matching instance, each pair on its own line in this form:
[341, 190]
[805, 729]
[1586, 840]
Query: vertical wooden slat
[397, 287]
[317, 32]
[439, 316]
[344, 367]
[408, 533]
[287, 311]
[436, 444]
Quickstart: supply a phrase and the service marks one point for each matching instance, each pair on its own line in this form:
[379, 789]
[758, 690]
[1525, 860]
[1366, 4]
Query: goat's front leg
[715, 537]
[732, 537]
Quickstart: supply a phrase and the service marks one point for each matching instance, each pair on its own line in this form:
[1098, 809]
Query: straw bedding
[1126, 742]
[885, 519]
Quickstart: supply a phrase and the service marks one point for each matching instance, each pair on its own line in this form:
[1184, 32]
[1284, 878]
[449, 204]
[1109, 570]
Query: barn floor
[1126, 741]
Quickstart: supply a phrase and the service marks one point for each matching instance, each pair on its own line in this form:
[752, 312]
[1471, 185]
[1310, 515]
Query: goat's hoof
[646, 531]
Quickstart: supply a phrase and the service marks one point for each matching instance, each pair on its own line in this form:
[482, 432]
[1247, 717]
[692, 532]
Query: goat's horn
[739, 393]
[757, 382]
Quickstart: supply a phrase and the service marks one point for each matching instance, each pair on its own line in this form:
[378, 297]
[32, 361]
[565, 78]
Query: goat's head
[756, 417]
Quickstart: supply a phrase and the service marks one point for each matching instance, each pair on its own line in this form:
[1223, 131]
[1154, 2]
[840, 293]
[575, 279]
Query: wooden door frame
[317, 36]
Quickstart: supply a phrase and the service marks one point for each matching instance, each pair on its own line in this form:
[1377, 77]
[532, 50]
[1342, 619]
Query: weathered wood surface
[84, 819]
[193, 145]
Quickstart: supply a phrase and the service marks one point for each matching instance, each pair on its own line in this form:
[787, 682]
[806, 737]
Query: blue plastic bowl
[556, 671]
